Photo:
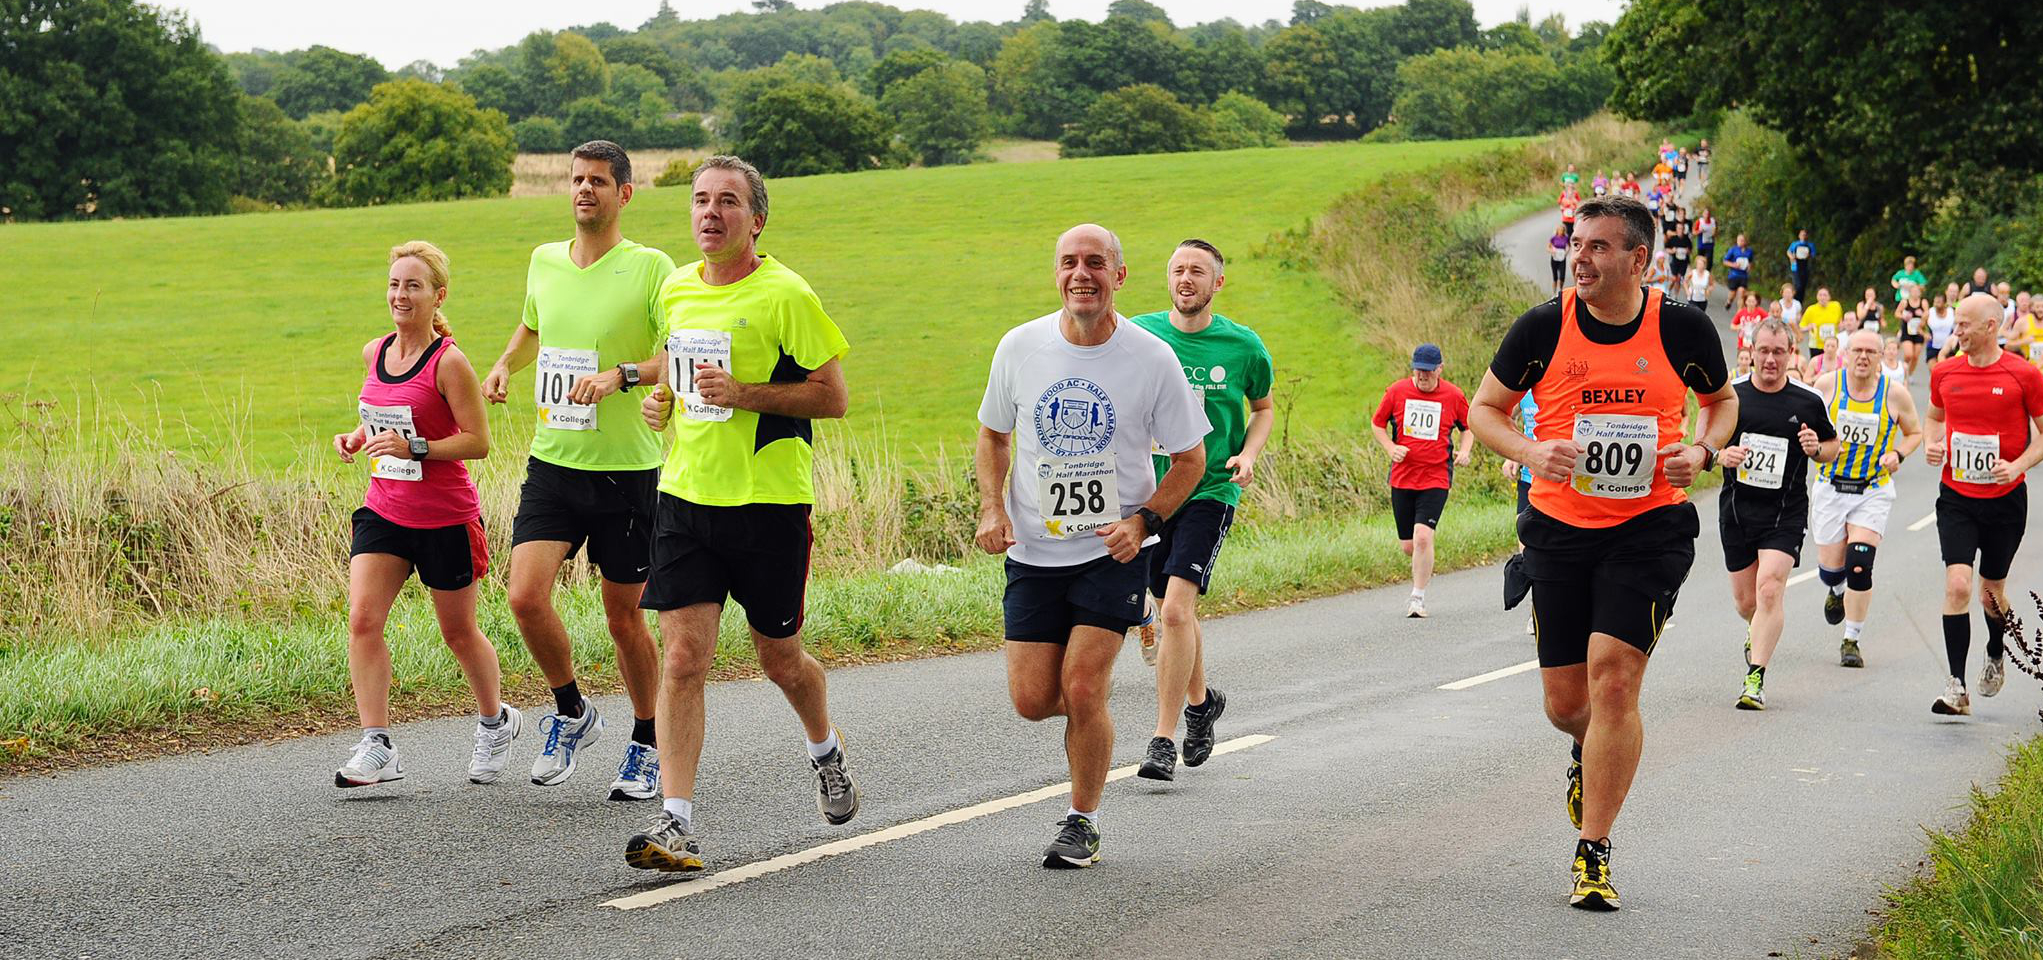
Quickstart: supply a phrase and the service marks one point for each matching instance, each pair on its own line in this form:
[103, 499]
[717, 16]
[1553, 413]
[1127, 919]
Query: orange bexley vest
[1620, 403]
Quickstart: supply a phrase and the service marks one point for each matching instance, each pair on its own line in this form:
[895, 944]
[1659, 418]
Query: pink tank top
[443, 496]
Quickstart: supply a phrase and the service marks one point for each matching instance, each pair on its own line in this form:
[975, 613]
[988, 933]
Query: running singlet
[1987, 412]
[2034, 328]
[1620, 403]
[767, 327]
[1425, 424]
[589, 320]
[1941, 325]
[1227, 366]
[418, 494]
[1865, 432]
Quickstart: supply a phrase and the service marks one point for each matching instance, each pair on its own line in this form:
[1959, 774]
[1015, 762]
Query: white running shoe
[638, 777]
[564, 738]
[1992, 676]
[372, 762]
[1954, 702]
[493, 746]
[1417, 608]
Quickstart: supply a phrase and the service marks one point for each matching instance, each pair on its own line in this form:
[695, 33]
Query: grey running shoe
[1848, 654]
[1162, 762]
[638, 777]
[1077, 844]
[1954, 702]
[666, 846]
[1199, 727]
[836, 794]
[1992, 676]
[372, 762]
[493, 746]
[565, 736]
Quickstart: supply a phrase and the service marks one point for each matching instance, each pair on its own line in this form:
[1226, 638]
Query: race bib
[1617, 458]
[1744, 263]
[1077, 495]
[1422, 419]
[1826, 330]
[1859, 428]
[1915, 330]
[686, 349]
[559, 368]
[387, 420]
[2036, 351]
[1801, 253]
[1972, 457]
[1765, 461]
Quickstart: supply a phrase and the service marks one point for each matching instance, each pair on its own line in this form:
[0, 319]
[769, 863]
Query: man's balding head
[1978, 326]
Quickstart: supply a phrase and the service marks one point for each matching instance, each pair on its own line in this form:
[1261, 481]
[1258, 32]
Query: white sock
[1852, 628]
[680, 809]
[1093, 816]
[380, 733]
[818, 751]
[1837, 589]
[1418, 594]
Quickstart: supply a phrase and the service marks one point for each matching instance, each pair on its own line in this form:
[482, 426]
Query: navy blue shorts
[1042, 604]
[1189, 544]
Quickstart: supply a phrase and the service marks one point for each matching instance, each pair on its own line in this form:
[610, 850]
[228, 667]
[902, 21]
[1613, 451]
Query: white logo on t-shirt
[1074, 418]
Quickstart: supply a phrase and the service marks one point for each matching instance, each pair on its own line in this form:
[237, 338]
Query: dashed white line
[1498, 674]
[1924, 522]
[902, 831]
[1800, 577]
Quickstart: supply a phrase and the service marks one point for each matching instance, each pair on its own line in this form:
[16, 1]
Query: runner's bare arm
[657, 406]
[1492, 417]
[1934, 424]
[1911, 425]
[2030, 456]
[1468, 442]
[1716, 420]
[989, 463]
[823, 396]
[1262, 417]
[1396, 450]
[1124, 538]
[464, 396]
[596, 386]
[518, 354]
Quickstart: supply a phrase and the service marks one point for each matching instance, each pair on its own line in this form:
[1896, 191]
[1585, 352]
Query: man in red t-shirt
[1414, 425]
[1979, 419]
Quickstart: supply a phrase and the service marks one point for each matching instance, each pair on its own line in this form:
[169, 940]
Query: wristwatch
[418, 448]
[630, 371]
[1709, 454]
[1151, 520]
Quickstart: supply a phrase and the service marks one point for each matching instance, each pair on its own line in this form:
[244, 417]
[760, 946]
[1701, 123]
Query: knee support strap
[1858, 563]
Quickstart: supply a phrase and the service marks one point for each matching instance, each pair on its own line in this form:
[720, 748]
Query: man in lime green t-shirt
[591, 319]
[749, 361]
[1229, 368]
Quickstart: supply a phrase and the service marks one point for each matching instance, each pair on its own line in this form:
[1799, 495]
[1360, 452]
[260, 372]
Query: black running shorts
[1620, 580]
[1990, 527]
[1412, 507]
[446, 558]
[611, 510]
[1189, 544]
[1742, 543]
[1042, 604]
[756, 554]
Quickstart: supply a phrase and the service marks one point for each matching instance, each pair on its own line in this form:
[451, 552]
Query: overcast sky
[398, 32]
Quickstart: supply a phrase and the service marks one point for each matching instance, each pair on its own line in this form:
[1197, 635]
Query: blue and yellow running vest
[1865, 429]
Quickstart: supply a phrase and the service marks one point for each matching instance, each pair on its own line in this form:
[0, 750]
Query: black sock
[1996, 635]
[642, 731]
[567, 700]
[1201, 708]
[1957, 641]
[1756, 668]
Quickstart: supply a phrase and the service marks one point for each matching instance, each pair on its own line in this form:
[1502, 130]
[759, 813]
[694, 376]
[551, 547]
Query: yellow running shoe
[1575, 793]
[1592, 877]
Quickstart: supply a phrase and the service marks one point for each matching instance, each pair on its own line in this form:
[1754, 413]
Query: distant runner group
[1111, 457]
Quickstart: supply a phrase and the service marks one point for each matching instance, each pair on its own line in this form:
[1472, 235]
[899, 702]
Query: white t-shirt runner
[1082, 419]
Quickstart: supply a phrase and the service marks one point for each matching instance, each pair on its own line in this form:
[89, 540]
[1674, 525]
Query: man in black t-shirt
[1764, 510]
[1679, 250]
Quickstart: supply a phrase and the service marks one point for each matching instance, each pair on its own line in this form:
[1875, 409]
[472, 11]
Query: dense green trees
[414, 140]
[941, 112]
[1466, 92]
[808, 128]
[322, 78]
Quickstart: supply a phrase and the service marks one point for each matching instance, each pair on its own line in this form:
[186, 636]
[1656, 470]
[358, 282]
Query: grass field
[923, 268]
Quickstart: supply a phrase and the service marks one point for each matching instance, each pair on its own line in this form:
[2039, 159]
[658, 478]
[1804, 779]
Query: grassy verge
[1982, 895]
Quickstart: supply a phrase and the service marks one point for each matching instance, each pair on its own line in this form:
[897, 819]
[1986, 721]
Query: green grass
[924, 269]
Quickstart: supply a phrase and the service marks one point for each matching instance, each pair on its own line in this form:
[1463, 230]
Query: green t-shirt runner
[1227, 365]
[588, 321]
[1907, 277]
[768, 327]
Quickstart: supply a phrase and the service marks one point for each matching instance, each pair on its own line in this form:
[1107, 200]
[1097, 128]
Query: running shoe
[1992, 676]
[1162, 762]
[1199, 727]
[1416, 609]
[1754, 697]
[493, 746]
[1848, 654]
[836, 794]
[1954, 702]
[1575, 793]
[372, 762]
[638, 777]
[565, 736]
[1145, 632]
[1833, 607]
[1592, 877]
[1531, 626]
[1077, 844]
[667, 846]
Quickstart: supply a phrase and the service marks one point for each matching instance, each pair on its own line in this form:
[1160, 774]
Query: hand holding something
[657, 406]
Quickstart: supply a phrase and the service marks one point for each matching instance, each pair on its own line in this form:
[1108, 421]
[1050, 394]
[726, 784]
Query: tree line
[854, 85]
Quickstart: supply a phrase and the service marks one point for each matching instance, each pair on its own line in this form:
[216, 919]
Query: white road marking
[753, 871]
[1498, 674]
[1924, 522]
[1800, 577]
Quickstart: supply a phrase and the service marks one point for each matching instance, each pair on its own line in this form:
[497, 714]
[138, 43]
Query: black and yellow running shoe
[1592, 877]
[1575, 793]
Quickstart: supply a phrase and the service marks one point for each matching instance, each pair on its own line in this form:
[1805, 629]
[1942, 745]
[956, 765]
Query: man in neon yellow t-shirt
[591, 319]
[1820, 320]
[750, 361]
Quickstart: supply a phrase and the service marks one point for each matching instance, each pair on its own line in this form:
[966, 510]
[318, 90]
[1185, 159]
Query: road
[1384, 816]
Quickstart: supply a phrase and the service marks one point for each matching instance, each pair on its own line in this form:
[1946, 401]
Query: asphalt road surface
[1365, 809]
